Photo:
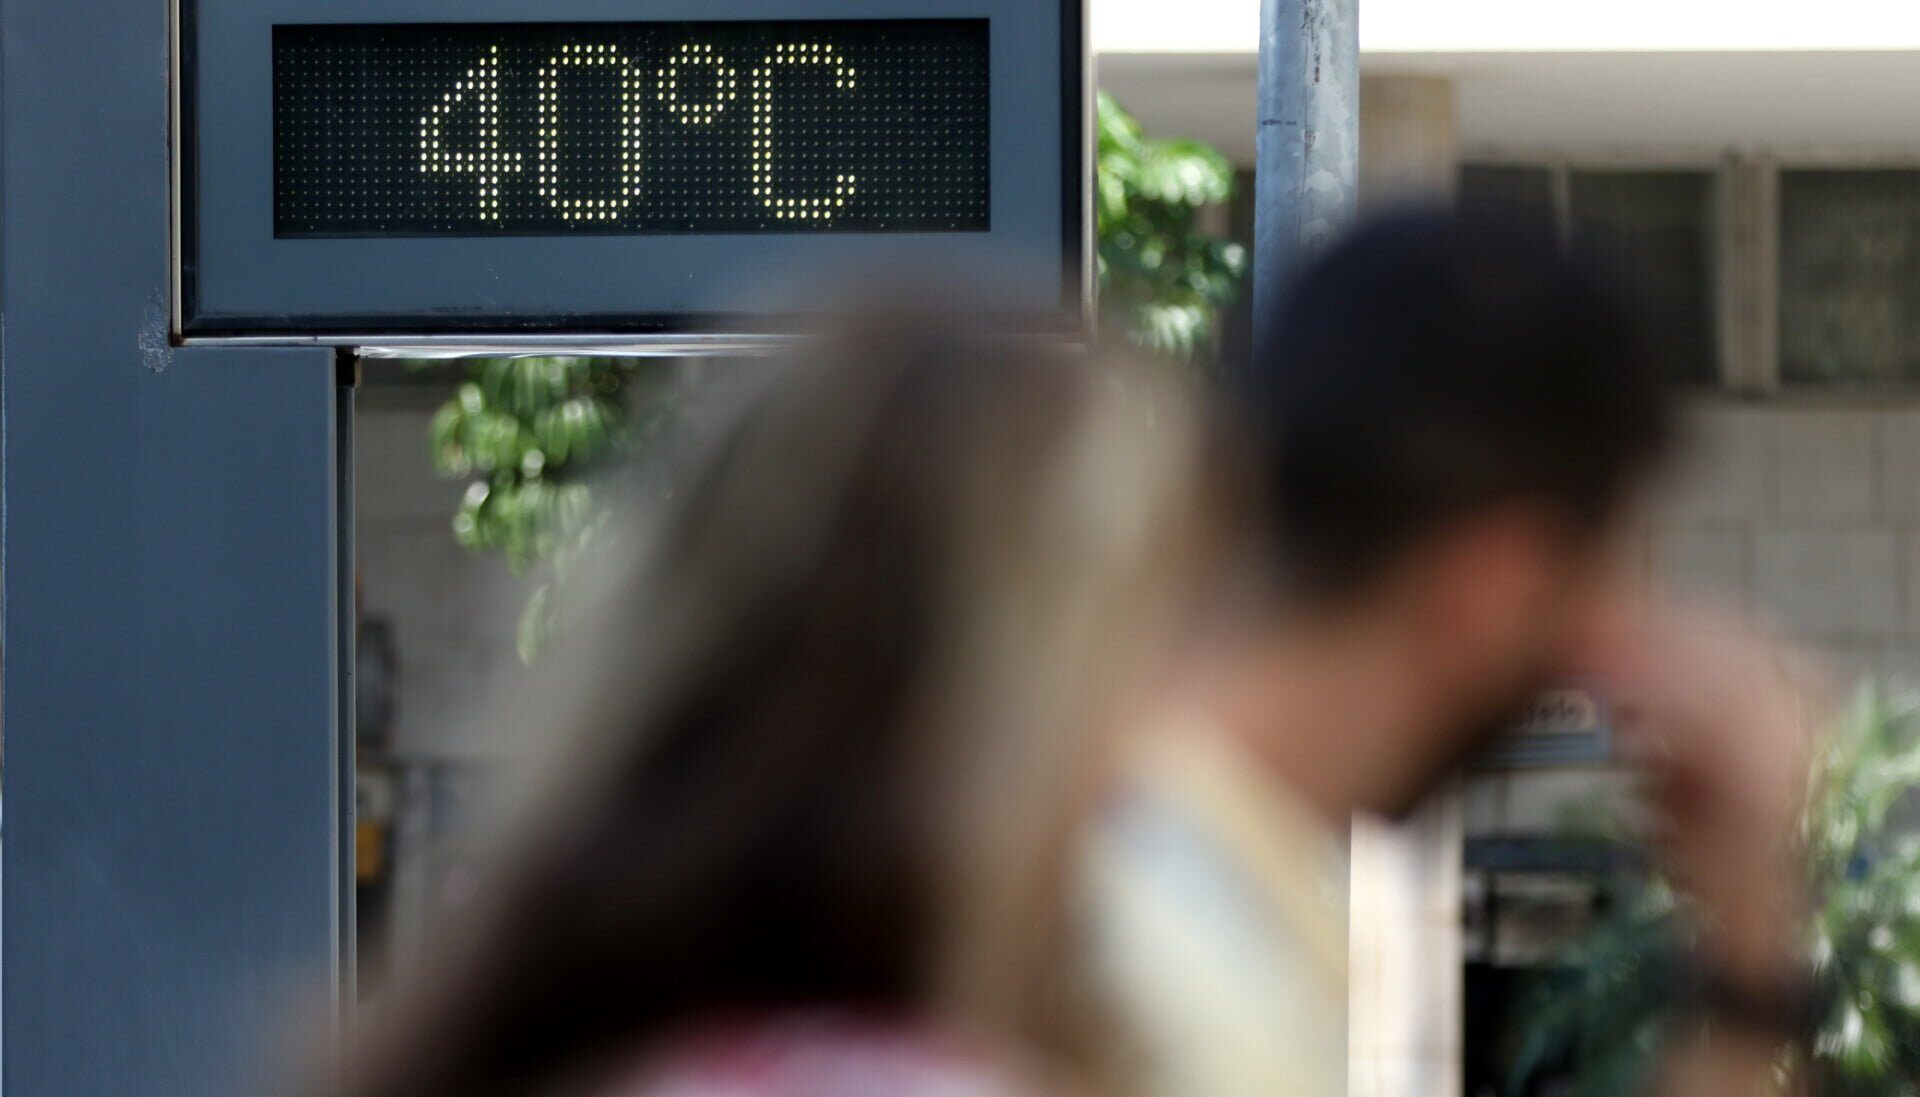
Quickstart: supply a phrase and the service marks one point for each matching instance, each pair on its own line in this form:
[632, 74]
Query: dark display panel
[631, 128]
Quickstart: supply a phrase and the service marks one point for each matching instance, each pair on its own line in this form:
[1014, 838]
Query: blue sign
[1569, 724]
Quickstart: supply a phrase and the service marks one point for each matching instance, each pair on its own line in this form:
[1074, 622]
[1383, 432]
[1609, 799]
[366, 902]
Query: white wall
[1429, 26]
[1690, 107]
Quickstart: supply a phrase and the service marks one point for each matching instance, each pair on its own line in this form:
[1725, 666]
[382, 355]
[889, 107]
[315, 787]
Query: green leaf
[1864, 934]
[1156, 268]
[528, 435]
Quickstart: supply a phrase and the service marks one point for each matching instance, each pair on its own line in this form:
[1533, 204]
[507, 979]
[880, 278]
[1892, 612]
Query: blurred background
[1754, 169]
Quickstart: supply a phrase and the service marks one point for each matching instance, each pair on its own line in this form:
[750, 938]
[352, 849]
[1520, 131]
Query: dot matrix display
[550, 128]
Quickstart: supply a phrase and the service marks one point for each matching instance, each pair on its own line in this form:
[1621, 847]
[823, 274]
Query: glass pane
[1849, 268]
[1515, 190]
[1658, 229]
[1236, 321]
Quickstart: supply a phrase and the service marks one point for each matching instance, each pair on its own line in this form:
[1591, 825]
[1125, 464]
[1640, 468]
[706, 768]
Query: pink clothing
[826, 1055]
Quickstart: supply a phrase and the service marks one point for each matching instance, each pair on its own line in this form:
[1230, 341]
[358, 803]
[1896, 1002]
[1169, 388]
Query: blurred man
[1452, 430]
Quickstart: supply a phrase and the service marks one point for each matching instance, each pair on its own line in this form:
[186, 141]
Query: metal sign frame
[670, 332]
[1551, 745]
[176, 594]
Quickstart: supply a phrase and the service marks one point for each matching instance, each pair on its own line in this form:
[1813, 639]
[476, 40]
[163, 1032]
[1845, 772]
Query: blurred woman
[843, 725]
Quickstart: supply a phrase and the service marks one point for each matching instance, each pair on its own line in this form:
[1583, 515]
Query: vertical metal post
[1307, 168]
[1307, 160]
[347, 636]
[170, 608]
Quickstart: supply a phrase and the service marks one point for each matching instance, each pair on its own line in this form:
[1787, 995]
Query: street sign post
[175, 566]
[428, 171]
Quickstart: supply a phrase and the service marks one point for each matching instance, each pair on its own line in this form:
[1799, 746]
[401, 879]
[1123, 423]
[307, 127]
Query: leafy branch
[1603, 1009]
[1168, 279]
[531, 435]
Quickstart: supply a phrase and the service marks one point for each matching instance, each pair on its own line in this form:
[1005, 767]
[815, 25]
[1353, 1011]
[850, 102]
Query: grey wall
[1803, 511]
[1806, 512]
[453, 611]
[1810, 514]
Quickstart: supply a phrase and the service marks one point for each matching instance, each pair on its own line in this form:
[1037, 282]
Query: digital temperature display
[878, 126]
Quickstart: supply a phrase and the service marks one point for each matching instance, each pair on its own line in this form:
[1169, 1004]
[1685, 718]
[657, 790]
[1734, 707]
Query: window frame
[1748, 211]
[1727, 373]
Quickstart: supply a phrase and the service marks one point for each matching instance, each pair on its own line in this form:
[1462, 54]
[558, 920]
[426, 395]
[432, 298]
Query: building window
[1658, 227]
[1513, 190]
[1849, 265]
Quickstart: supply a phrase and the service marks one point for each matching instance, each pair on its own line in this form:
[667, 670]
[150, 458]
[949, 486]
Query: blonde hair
[845, 712]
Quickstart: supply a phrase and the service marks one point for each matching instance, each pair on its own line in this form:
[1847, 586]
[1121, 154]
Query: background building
[1756, 167]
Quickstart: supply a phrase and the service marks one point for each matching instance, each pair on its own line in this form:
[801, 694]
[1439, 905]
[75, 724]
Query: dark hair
[1433, 364]
[802, 684]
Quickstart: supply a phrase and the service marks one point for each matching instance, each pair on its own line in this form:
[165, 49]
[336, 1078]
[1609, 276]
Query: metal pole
[1307, 167]
[1308, 160]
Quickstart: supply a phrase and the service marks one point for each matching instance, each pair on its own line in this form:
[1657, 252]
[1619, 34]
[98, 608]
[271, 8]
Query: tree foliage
[1166, 278]
[531, 435]
[1602, 1012]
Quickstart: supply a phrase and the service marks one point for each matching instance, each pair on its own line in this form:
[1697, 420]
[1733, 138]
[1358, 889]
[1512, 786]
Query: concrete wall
[1804, 511]
[453, 611]
[453, 614]
[1811, 515]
